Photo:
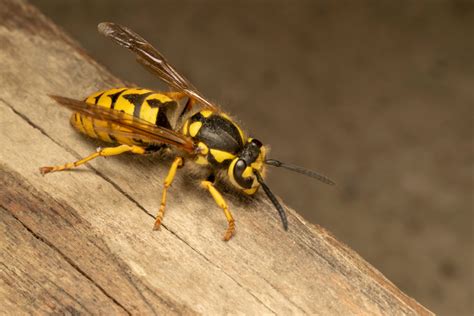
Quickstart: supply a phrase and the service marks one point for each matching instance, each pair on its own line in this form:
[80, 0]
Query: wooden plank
[36, 279]
[55, 255]
[94, 224]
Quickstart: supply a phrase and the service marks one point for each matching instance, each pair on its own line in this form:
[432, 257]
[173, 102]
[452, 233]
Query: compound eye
[239, 167]
[257, 142]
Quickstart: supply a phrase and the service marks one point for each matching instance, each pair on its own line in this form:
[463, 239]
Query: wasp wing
[135, 127]
[153, 60]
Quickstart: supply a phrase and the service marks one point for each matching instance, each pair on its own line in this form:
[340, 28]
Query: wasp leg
[223, 205]
[110, 151]
[178, 162]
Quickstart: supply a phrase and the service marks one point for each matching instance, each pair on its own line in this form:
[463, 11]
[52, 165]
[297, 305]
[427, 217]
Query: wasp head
[247, 171]
[244, 168]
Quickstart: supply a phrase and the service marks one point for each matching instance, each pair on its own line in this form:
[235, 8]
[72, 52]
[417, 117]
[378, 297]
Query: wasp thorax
[242, 169]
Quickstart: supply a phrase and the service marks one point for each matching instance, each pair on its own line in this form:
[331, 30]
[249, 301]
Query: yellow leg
[223, 205]
[110, 151]
[178, 162]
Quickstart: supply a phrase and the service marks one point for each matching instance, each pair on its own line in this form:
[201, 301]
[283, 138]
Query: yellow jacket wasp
[142, 121]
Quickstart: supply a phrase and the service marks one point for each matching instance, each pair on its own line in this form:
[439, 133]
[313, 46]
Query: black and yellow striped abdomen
[145, 104]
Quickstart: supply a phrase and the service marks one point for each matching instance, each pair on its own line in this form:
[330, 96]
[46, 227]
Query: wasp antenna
[274, 200]
[301, 170]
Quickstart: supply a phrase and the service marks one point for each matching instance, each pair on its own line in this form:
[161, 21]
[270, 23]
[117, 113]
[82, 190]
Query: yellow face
[243, 168]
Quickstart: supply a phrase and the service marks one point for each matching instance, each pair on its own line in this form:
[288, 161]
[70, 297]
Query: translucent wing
[137, 128]
[153, 60]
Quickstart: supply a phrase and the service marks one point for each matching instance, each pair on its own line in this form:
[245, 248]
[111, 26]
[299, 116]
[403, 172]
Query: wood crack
[279, 292]
[221, 270]
[71, 263]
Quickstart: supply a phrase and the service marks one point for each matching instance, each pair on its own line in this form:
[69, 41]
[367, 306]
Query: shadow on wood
[83, 241]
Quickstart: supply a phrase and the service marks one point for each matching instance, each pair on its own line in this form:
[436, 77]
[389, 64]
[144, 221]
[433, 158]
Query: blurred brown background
[377, 95]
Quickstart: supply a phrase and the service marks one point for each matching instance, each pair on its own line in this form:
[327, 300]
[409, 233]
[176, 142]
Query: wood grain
[82, 241]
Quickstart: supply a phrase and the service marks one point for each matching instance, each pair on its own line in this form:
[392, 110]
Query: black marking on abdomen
[82, 123]
[114, 97]
[113, 138]
[155, 103]
[98, 97]
[93, 127]
[161, 119]
[137, 100]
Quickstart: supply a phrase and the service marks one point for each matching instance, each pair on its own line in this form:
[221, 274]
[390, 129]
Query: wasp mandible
[143, 121]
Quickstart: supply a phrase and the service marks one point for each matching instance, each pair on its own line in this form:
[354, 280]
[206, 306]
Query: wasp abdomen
[147, 105]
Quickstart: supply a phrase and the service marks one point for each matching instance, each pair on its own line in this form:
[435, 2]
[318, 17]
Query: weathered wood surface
[82, 241]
